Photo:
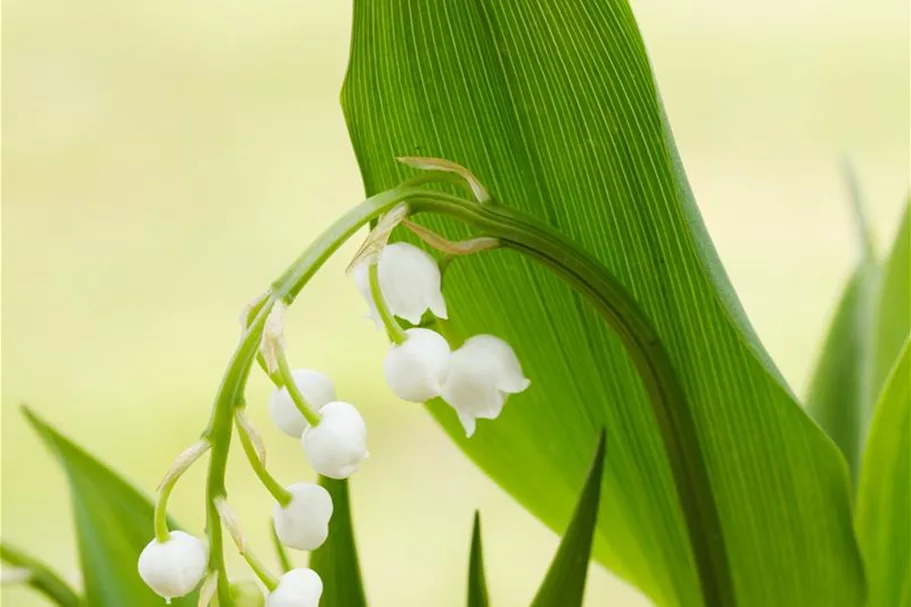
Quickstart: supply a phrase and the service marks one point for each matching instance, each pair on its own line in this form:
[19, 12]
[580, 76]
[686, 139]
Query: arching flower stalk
[401, 281]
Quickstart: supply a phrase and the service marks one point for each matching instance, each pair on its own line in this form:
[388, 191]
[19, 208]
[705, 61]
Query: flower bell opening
[175, 567]
[304, 523]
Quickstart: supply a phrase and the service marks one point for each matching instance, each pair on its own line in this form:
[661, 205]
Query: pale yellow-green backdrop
[162, 161]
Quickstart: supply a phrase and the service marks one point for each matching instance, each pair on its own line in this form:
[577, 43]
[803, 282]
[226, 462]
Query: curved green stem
[183, 462]
[579, 270]
[673, 417]
[41, 577]
[160, 517]
[281, 495]
[287, 380]
[284, 560]
[393, 329]
[230, 392]
[261, 571]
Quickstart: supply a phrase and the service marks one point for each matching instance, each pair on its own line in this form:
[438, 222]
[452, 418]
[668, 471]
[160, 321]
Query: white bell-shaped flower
[297, 588]
[416, 368]
[482, 373]
[409, 280]
[304, 523]
[317, 390]
[175, 567]
[338, 444]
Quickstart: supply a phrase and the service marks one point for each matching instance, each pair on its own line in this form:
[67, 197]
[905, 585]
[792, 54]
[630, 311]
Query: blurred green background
[163, 161]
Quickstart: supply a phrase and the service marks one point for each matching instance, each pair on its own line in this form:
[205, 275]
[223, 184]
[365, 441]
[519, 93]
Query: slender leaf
[552, 104]
[336, 560]
[863, 340]
[477, 582]
[564, 583]
[41, 577]
[839, 395]
[113, 525]
[884, 494]
[893, 321]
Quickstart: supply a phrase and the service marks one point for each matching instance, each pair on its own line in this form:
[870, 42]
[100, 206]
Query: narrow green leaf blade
[41, 577]
[884, 493]
[553, 106]
[477, 582]
[893, 322]
[336, 560]
[564, 583]
[839, 396]
[113, 525]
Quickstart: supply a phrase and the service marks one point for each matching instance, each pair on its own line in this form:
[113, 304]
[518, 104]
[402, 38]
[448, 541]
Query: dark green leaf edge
[477, 580]
[564, 583]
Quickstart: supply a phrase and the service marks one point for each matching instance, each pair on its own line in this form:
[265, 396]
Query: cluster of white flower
[475, 379]
[335, 448]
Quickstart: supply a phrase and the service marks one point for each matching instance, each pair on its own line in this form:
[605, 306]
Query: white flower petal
[338, 444]
[297, 588]
[175, 567]
[415, 369]
[510, 378]
[317, 390]
[304, 523]
[482, 373]
[437, 305]
[410, 281]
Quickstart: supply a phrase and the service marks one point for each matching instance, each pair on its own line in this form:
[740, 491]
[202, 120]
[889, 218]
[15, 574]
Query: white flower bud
[304, 523]
[409, 280]
[173, 568]
[481, 375]
[338, 444]
[317, 390]
[297, 588]
[415, 369]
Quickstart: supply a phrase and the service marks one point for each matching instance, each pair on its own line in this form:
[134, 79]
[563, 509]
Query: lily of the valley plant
[595, 312]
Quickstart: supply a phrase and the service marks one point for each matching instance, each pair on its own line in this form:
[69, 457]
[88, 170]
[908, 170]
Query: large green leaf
[113, 525]
[553, 105]
[564, 583]
[884, 493]
[336, 560]
[839, 396]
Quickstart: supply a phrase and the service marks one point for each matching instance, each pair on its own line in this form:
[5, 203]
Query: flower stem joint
[399, 281]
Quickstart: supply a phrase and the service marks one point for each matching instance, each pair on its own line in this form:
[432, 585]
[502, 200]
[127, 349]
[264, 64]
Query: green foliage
[893, 320]
[113, 525]
[40, 576]
[336, 560]
[477, 582]
[884, 493]
[839, 396]
[553, 105]
[564, 583]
